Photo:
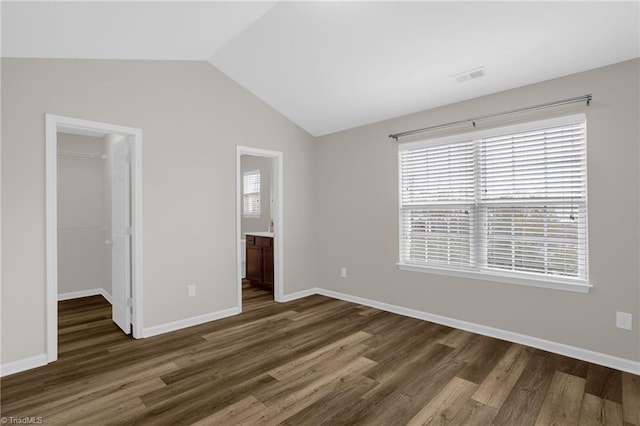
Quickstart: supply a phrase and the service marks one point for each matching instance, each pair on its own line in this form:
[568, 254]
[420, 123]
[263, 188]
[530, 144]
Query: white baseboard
[106, 296]
[23, 364]
[188, 322]
[299, 294]
[86, 293]
[547, 345]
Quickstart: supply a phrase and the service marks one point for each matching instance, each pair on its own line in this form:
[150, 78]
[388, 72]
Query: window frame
[478, 272]
[245, 175]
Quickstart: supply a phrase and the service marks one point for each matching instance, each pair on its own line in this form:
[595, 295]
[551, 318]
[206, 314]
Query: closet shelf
[82, 155]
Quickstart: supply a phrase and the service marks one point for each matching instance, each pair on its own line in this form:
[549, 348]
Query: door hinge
[129, 302]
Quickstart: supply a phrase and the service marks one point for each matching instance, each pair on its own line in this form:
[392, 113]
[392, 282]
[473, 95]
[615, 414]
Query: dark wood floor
[309, 362]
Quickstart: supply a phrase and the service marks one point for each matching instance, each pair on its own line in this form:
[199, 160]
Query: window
[508, 202]
[251, 193]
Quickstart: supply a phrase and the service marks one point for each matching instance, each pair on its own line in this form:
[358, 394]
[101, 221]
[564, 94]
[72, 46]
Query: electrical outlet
[623, 320]
[191, 290]
[343, 272]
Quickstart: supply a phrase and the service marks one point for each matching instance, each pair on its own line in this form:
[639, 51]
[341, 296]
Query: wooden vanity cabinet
[260, 261]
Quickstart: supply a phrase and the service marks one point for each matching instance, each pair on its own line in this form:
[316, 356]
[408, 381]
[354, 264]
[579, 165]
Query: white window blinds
[437, 196]
[533, 193]
[251, 193]
[510, 200]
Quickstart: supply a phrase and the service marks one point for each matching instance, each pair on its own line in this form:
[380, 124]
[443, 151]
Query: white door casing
[121, 233]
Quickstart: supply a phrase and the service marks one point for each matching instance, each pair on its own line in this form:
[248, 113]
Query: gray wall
[357, 219]
[192, 117]
[340, 198]
[265, 165]
[84, 216]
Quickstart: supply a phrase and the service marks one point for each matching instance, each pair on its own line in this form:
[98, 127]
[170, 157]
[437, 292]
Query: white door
[121, 233]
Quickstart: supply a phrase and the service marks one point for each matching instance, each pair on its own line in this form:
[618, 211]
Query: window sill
[251, 216]
[564, 285]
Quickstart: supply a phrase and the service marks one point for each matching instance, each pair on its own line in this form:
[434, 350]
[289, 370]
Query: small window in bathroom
[251, 193]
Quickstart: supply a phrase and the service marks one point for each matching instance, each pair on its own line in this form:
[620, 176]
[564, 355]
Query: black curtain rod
[585, 98]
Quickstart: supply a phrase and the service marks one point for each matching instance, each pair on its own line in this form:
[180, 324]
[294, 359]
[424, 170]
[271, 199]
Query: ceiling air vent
[469, 75]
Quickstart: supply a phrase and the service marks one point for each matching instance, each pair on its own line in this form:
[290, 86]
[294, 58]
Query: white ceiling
[123, 30]
[330, 66]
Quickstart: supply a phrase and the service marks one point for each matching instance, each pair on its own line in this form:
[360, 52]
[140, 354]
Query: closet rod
[82, 155]
[585, 98]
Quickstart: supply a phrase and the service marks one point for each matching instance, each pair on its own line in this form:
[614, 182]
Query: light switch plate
[343, 272]
[191, 290]
[624, 320]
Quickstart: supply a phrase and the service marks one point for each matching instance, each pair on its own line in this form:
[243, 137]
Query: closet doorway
[93, 220]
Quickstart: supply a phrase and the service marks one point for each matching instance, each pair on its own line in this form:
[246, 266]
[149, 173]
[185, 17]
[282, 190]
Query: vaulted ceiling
[330, 66]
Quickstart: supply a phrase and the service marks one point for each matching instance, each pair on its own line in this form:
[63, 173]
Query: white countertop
[261, 234]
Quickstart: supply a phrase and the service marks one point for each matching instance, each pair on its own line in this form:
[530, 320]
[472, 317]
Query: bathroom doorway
[259, 182]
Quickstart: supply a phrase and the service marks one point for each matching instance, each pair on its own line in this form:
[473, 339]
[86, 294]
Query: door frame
[53, 125]
[278, 249]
